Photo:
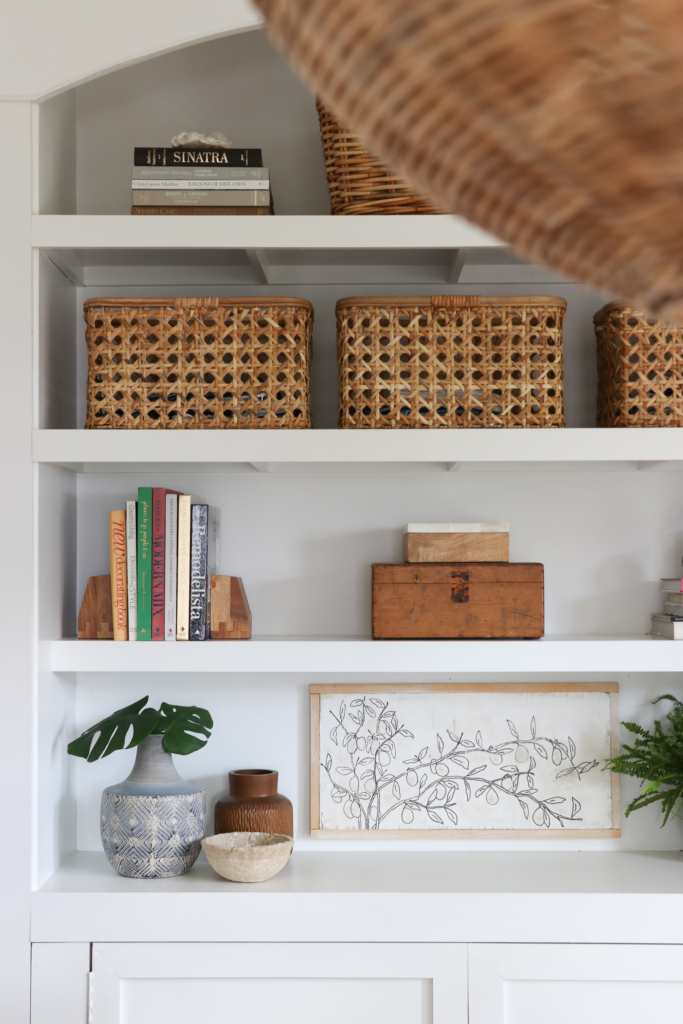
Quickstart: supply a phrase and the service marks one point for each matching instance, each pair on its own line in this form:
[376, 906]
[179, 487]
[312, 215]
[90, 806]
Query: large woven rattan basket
[198, 363]
[450, 361]
[640, 369]
[358, 183]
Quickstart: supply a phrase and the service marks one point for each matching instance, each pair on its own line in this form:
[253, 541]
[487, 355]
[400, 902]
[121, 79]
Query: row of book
[163, 549]
[200, 182]
[669, 622]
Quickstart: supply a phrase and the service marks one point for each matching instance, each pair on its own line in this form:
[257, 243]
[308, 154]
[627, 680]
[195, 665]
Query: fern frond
[655, 758]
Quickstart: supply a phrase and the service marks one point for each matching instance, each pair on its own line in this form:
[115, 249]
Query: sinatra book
[181, 157]
[203, 562]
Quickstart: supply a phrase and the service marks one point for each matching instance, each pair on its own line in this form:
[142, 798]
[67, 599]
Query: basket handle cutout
[455, 301]
[196, 303]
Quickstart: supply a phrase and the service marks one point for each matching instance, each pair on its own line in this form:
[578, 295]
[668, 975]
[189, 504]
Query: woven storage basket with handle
[450, 361]
[640, 369]
[358, 183]
[198, 363]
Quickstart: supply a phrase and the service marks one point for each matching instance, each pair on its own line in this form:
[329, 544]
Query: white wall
[304, 543]
[45, 48]
[262, 722]
[238, 85]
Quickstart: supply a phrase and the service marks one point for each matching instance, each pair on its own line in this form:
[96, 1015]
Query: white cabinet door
[293, 983]
[535, 984]
[59, 982]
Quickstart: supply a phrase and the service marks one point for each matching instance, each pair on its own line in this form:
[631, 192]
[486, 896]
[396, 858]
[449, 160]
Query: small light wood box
[456, 547]
[457, 600]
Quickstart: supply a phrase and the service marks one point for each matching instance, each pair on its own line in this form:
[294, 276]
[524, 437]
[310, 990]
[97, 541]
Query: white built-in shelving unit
[304, 514]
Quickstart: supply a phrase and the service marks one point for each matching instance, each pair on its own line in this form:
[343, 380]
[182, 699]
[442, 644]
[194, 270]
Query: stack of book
[229, 182]
[670, 622]
[163, 549]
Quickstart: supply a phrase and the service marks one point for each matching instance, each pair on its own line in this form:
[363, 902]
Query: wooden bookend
[230, 612]
[95, 619]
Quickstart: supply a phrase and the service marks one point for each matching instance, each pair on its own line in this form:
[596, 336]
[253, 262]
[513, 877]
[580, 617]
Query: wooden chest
[457, 599]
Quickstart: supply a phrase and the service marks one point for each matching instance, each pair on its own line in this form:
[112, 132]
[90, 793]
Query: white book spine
[212, 186]
[132, 567]
[183, 590]
[171, 567]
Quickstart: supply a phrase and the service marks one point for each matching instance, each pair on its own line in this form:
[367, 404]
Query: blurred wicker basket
[358, 183]
[450, 361]
[640, 369]
[198, 363]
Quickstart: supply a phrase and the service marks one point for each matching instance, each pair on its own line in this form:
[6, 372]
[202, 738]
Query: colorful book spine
[158, 561]
[171, 567]
[202, 211]
[199, 553]
[144, 563]
[190, 184]
[168, 157]
[117, 562]
[202, 173]
[200, 197]
[183, 592]
[131, 567]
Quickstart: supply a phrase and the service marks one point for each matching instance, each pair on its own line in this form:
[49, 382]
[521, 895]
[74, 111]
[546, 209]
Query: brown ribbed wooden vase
[254, 804]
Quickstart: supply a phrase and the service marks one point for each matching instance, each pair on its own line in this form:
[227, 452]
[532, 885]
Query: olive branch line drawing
[429, 783]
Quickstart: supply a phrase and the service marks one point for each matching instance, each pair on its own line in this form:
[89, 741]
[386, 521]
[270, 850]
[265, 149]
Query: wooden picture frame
[607, 797]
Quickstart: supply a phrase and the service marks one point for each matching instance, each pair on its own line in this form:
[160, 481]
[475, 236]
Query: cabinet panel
[59, 982]
[591, 1002]
[292, 1000]
[303, 983]
[531, 984]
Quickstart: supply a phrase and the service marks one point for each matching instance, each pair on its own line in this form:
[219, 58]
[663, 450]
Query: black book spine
[153, 157]
[199, 551]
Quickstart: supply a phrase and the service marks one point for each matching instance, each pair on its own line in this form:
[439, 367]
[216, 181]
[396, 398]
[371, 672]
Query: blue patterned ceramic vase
[152, 823]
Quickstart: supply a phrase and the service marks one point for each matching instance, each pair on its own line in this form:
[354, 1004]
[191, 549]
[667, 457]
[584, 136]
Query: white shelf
[98, 450]
[304, 232]
[336, 655]
[375, 897]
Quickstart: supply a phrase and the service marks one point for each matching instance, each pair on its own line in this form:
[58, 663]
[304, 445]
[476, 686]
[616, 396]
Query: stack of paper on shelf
[669, 623]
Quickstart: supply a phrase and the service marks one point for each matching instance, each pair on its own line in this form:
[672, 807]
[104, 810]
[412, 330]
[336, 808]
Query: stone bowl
[247, 856]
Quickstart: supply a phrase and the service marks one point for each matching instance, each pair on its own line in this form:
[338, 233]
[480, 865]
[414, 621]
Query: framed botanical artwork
[487, 760]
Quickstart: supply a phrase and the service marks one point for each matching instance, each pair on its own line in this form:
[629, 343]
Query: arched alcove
[46, 49]
[239, 85]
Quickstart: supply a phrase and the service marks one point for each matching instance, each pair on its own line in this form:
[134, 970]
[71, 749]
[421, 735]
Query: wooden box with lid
[453, 600]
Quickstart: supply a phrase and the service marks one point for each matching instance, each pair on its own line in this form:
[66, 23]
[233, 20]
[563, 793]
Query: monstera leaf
[185, 729]
[110, 734]
[178, 724]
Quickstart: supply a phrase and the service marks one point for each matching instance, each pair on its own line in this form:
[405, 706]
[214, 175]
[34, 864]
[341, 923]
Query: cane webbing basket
[359, 184]
[640, 369]
[450, 361]
[198, 363]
